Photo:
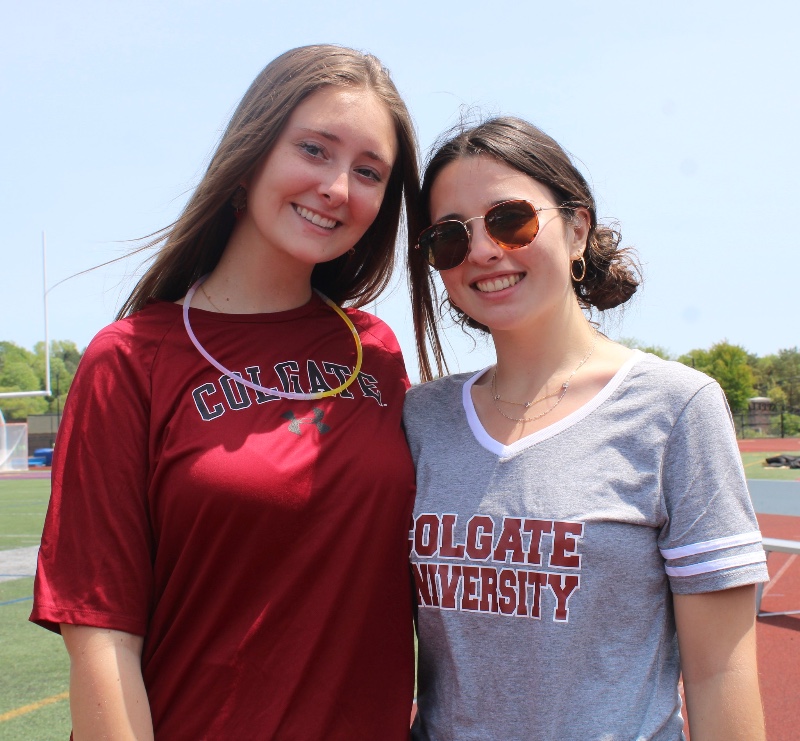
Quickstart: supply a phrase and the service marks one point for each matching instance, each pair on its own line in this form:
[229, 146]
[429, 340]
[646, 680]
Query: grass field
[22, 507]
[34, 680]
[754, 468]
[35, 668]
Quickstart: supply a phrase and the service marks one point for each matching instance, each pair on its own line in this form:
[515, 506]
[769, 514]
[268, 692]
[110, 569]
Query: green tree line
[23, 370]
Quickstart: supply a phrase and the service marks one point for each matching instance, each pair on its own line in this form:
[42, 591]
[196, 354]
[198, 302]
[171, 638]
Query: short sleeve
[711, 539]
[95, 561]
[385, 337]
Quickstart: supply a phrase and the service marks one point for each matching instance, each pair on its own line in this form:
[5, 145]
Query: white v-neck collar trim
[505, 451]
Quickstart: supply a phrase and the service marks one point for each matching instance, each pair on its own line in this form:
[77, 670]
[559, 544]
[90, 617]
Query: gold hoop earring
[582, 263]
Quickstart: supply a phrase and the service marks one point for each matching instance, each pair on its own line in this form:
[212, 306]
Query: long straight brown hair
[192, 246]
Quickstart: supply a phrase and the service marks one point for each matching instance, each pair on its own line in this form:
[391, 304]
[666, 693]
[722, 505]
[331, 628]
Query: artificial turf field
[34, 668]
[754, 468]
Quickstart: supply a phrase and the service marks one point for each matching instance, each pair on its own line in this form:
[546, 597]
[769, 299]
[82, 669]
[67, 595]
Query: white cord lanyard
[256, 387]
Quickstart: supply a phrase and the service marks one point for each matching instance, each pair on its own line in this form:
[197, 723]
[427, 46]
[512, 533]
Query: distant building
[42, 430]
[759, 411]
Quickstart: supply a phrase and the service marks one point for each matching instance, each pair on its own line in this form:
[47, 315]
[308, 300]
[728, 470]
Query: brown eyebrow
[457, 217]
[331, 137]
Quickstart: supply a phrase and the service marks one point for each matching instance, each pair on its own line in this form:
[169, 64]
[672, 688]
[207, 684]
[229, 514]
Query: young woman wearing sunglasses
[581, 510]
[225, 552]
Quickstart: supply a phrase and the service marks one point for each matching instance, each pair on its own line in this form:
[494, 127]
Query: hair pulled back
[612, 273]
[194, 243]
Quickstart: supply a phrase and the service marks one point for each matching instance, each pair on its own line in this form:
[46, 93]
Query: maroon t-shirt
[259, 545]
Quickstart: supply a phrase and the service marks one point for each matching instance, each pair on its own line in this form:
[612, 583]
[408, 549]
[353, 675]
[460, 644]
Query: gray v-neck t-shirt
[545, 568]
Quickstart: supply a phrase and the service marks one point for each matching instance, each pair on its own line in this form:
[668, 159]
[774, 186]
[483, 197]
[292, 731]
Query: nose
[482, 249]
[336, 190]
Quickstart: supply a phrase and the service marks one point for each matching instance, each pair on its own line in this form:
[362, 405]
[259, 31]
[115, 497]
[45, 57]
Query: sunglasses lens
[446, 244]
[512, 224]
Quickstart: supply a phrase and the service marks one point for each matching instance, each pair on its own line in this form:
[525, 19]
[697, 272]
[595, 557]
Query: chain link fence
[764, 418]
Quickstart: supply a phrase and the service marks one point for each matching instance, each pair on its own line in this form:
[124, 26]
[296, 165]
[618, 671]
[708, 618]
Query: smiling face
[507, 289]
[323, 182]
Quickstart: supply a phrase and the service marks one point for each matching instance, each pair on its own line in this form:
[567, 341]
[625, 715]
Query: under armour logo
[316, 420]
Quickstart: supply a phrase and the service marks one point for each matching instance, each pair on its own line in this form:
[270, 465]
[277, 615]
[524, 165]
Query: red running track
[779, 637]
[770, 445]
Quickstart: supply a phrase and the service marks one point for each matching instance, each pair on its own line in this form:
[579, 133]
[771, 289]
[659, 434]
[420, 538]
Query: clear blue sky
[684, 116]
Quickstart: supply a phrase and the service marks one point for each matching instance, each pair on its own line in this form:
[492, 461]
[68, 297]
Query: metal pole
[47, 391]
[3, 438]
[46, 336]
[58, 401]
[21, 394]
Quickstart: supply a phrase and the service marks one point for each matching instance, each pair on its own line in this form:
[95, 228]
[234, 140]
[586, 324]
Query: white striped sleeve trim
[717, 544]
[718, 564]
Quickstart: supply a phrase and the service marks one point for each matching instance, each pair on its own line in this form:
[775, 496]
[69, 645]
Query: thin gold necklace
[205, 293]
[561, 393]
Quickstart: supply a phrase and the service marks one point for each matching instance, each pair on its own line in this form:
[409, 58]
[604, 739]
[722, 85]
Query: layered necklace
[558, 395]
[237, 378]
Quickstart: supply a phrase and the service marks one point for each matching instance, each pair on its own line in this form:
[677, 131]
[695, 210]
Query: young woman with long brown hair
[225, 552]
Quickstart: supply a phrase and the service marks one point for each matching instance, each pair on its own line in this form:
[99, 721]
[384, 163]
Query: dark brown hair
[612, 273]
[193, 245]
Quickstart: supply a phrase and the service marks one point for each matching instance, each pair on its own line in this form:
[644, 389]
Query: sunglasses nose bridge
[466, 223]
[470, 231]
[482, 245]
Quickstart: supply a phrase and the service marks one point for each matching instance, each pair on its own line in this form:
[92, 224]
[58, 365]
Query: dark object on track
[784, 461]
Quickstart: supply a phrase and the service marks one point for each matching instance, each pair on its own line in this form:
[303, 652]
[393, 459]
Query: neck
[538, 360]
[246, 282]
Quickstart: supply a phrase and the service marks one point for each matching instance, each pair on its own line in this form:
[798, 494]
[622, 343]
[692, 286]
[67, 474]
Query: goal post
[14, 436]
[13, 446]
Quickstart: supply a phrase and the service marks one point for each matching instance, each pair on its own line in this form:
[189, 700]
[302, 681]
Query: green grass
[34, 663]
[754, 468]
[35, 667]
[23, 504]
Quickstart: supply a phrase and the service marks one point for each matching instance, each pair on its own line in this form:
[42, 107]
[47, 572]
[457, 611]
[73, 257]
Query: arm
[106, 692]
[716, 635]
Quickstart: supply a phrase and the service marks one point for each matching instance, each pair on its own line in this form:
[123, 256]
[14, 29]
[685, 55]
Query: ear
[578, 227]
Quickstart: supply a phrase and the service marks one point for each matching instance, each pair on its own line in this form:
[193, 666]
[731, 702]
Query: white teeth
[315, 218]
[498, 284]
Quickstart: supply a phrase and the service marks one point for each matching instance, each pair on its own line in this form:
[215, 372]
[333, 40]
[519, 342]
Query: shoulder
[669, 379]
[375, 332]
[688, 407]
[443, 393]
[134, 340]
[371, 325]
[114, 380]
